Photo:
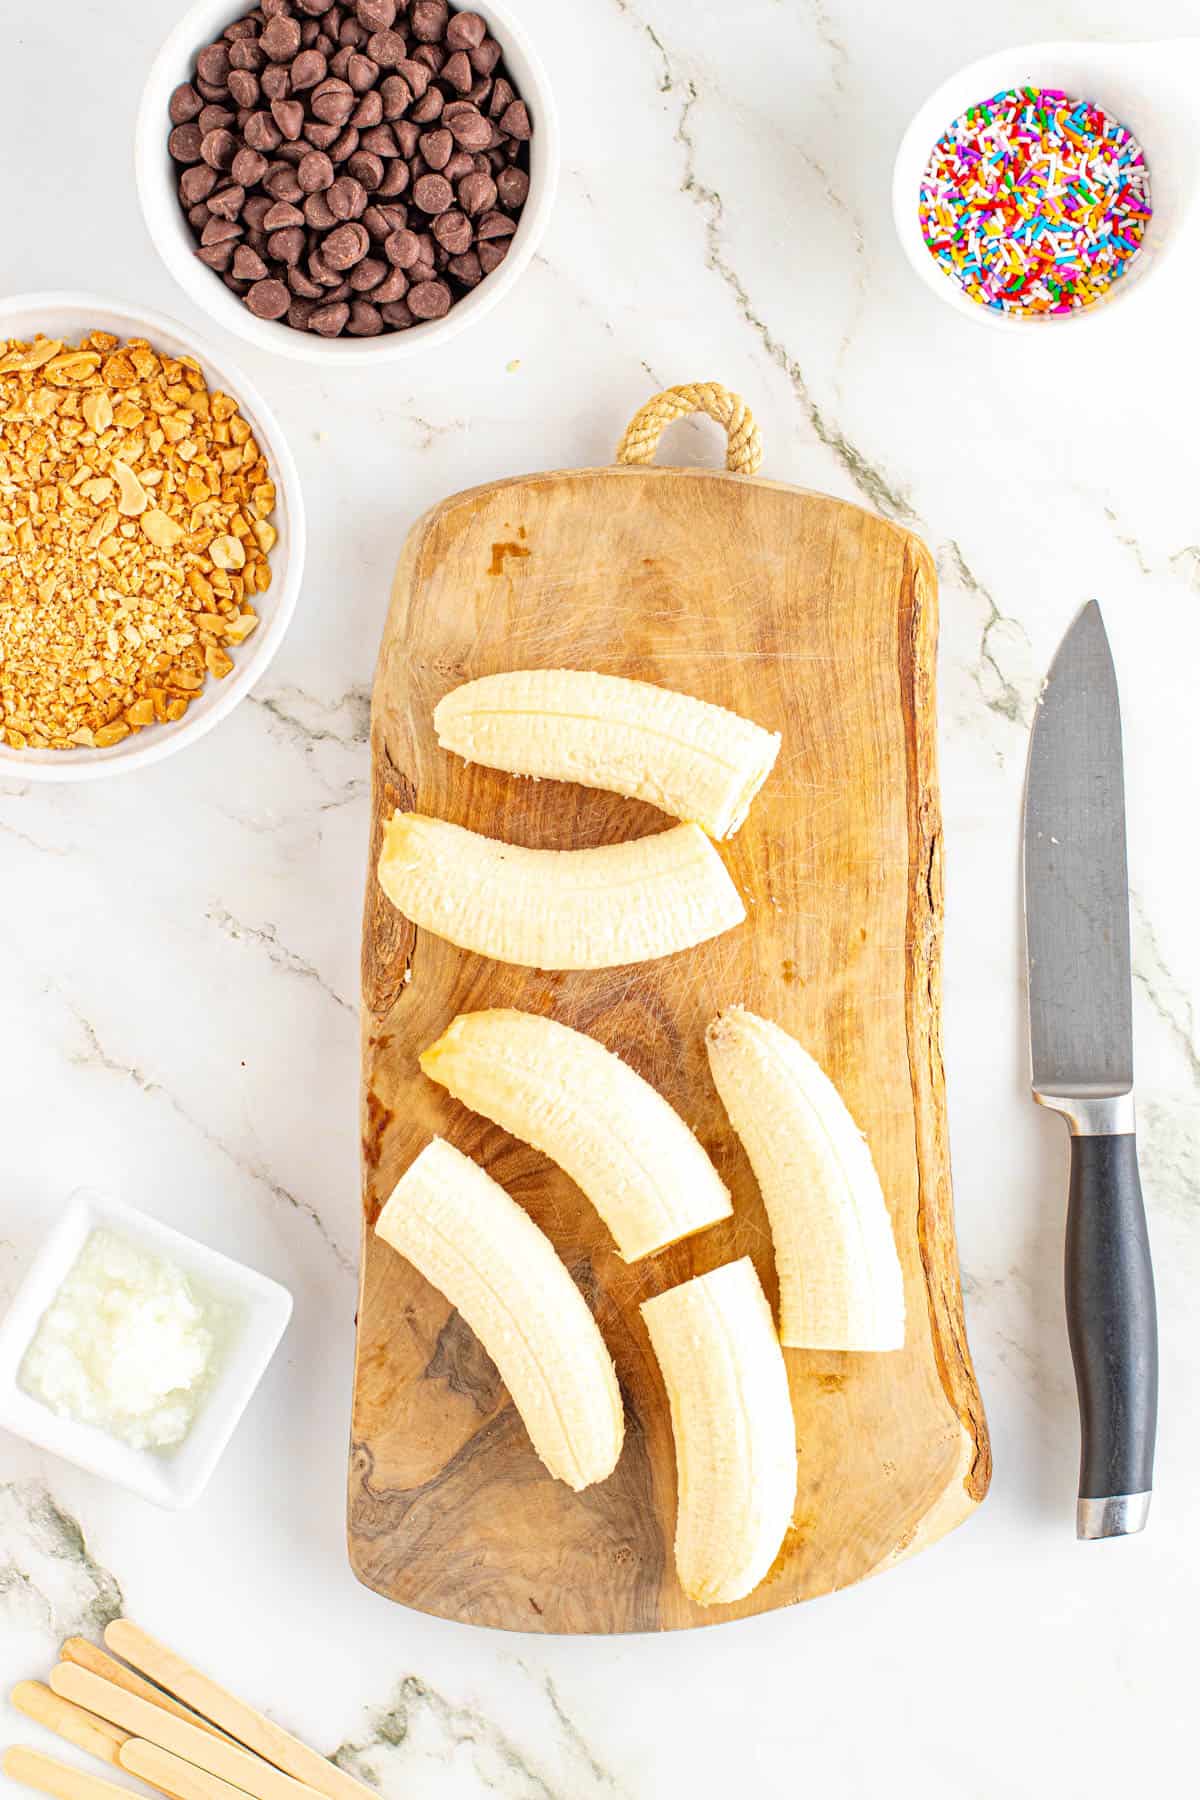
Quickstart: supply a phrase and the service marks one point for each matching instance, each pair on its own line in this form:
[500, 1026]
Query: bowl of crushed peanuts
[152, 537]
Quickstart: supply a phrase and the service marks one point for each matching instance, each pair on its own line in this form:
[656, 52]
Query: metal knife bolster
[1093, 1115]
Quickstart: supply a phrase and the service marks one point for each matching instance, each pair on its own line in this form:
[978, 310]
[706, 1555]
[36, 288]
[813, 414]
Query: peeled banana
[840, 1282]
[558, 909]
[735, 1435]
[588, 1111]
[690, 758]
[464, 1234]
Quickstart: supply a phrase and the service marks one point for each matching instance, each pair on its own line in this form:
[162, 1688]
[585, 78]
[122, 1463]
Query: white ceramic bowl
[157, 177]
[70, 316]
[1148, 87]
[260, 1308]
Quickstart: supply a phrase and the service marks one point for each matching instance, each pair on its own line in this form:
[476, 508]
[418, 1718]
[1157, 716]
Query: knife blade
[1081, 1041]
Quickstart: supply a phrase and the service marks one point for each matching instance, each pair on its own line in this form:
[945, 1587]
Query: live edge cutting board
[816, 619]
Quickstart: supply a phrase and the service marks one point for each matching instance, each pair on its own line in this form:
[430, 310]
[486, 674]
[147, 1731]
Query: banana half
[468, 1238]
[558, 909]
[614, 1134]
[735, 1434]
[691, 759]
[840, 1281]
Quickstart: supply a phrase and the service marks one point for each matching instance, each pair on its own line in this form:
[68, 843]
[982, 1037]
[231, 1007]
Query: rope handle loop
[744, 453]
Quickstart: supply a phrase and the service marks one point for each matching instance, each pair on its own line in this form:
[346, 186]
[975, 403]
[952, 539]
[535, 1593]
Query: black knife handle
[1112, 1324]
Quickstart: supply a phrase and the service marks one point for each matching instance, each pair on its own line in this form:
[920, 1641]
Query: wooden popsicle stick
[49, 1776]
[83, 1729]
[239, 1720]
[163, 1769]
[143, 1719]
[86, 1655]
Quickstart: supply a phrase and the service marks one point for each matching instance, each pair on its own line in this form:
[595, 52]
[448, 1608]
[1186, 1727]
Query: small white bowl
[70, 316]
[158, 175]
[1150, 88]
[173, 1479]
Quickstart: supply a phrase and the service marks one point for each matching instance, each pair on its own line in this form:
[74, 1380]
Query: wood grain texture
[811, 617]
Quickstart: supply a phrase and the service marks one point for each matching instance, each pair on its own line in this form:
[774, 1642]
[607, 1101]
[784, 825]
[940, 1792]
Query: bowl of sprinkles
[1048, 182]
[1035, 203]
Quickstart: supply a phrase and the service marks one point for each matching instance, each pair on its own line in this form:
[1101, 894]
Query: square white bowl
[175, 1478]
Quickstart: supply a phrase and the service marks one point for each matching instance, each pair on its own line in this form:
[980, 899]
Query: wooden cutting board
[816, 619]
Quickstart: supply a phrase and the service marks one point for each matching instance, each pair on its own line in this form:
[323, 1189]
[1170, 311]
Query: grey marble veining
[179, 952]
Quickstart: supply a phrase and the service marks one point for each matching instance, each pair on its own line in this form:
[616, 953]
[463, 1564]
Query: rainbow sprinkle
[1035, 203]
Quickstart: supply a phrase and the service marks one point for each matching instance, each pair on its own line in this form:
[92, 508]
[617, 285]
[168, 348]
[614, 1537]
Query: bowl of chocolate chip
[346, 180]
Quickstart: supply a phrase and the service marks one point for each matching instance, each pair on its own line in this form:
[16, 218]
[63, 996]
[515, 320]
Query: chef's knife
[1081, 1031]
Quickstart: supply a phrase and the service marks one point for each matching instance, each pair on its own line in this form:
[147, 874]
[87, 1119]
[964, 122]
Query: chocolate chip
[329, 321]
[428, 108]
[332, 101]
[249, 167]
[304, 285]
[248, 265]
[396, 96]
[219, 149]
[515, 121]
[365, 320]
[315, 172]
[216, 256]
[433, 194]
[458, 72]
[347, 198]
[299, 313]
[318, 214]
[289, 116]
[408, 136]
[246, 55]
[394, 286]
[352, 34]
[502, 99]
[281, 183]
[476, 194]
[366, 169]
[256, 209]
[185, 104]
[375, 15]
[281, 39]
[437, 147]
[209, 91]
[395, 181]
[280, 216]
[314, 8]
[287, 246]
[245, 88]
[402, 249]
[513, 188]
[432, 55]
[346, 246]
[368, 112]
[453, 232]
[368, 274]
[387, 49]
[492, 254]
[268, 299]
[465, 31]
[197, 183]
[261, 132]
[308, 71]
[213, 64]
[398, 316]
[381, 221]
[228, 203]
[185, 143]
[361, 72]
[221, 231]
[469, 126]
[495, 225]
[416, 76]
[466, 268]
[427, 19]
[429, 299]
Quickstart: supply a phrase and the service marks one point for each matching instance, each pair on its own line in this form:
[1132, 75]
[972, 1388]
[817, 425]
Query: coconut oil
[127, 1344]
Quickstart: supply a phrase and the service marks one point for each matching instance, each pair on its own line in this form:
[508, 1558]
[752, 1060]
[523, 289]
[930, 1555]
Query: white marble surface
[178, 951]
